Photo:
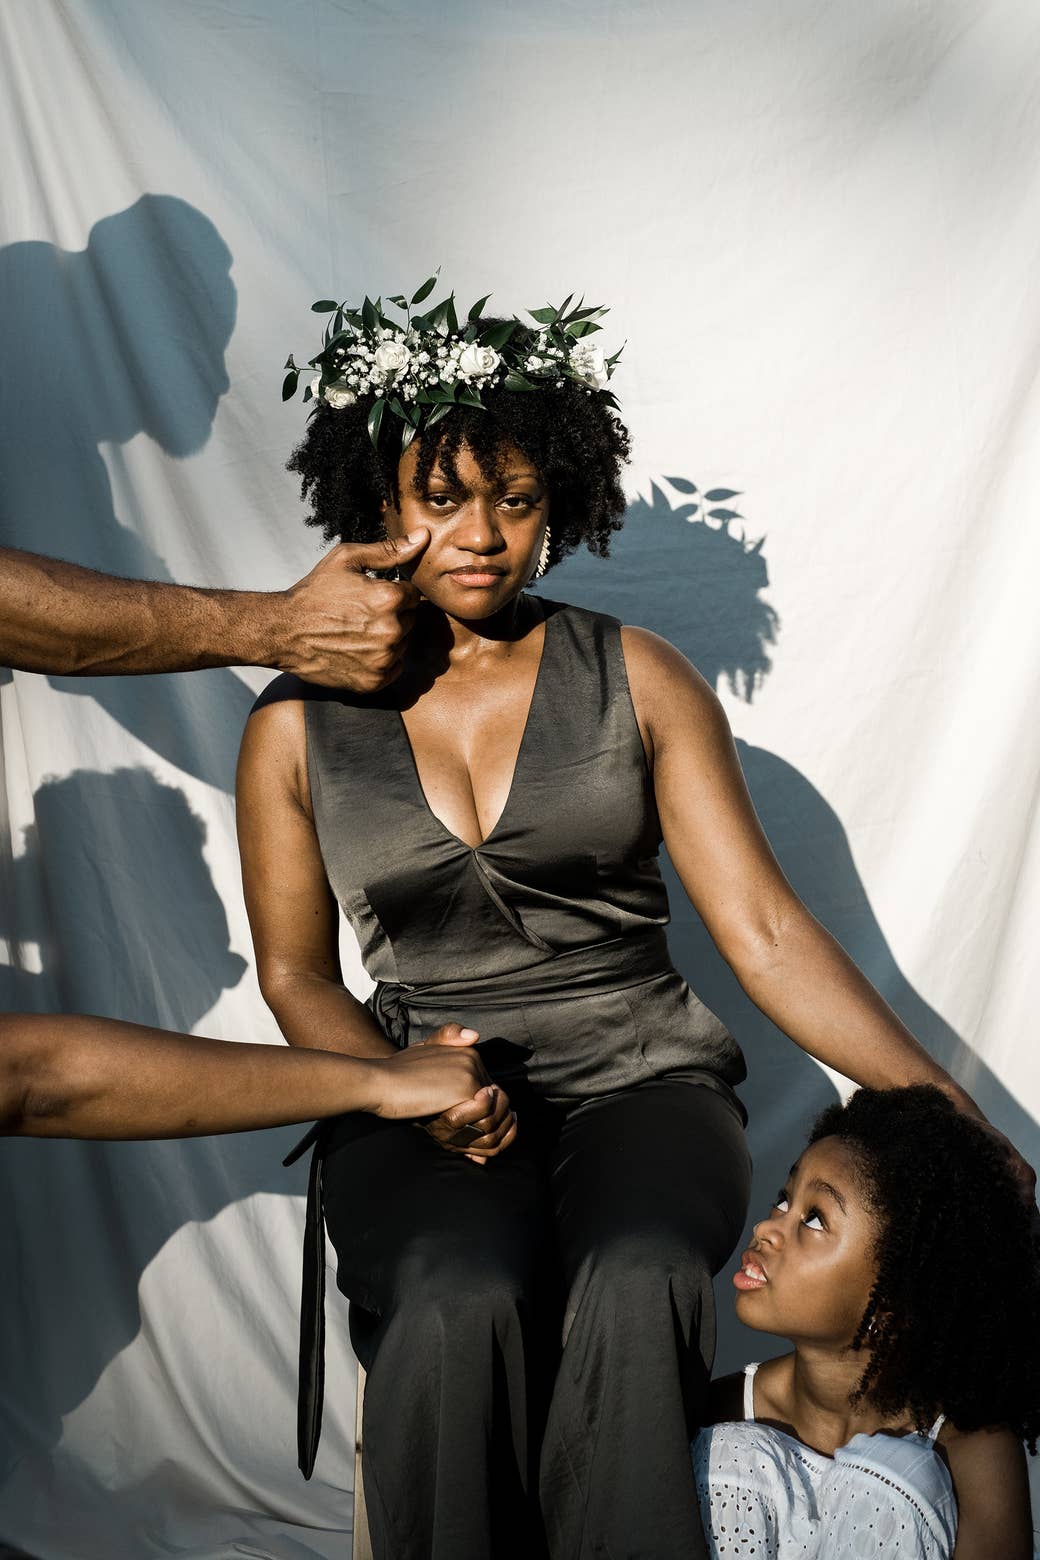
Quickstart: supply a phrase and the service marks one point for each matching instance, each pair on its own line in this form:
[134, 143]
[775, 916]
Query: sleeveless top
[548, 937]
[534, 935]
[763, 1493]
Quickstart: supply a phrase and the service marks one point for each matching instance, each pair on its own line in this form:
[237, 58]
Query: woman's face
[810, 1268]
[485, 534]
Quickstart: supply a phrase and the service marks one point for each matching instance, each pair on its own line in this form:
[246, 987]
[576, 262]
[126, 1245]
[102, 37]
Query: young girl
[903, 1263]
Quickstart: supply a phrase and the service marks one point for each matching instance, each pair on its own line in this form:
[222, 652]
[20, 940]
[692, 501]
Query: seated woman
[532, 1301]
[903, 1263]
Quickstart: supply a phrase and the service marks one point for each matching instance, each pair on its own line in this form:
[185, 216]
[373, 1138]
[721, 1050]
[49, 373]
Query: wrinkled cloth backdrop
[817, 226]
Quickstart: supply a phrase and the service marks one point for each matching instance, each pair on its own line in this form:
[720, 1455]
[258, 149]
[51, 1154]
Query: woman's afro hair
[955, 1310]
[575, 441]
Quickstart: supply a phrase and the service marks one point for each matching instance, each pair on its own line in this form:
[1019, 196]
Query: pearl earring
[543, 556]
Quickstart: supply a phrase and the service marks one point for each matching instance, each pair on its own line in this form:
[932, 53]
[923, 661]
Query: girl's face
[809, 1270]
[485, 535]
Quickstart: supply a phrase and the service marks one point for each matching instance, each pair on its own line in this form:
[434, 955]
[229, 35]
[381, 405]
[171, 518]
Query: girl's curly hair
[576, 442]
[954, 1315]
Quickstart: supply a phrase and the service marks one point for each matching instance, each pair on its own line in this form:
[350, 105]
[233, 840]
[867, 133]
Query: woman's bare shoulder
[273, 751]
[666, 688]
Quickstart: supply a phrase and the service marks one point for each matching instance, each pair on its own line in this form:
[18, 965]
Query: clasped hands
[480, 1126]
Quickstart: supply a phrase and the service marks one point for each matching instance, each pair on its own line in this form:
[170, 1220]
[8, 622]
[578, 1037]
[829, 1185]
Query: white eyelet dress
[764, 1495]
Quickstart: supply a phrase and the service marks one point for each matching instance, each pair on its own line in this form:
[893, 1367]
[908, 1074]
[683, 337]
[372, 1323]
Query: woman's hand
[1023, 1172]
[1020, 1168]
[480, 1127]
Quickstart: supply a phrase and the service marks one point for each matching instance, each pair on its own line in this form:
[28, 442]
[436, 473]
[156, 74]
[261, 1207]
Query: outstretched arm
[337, 626]
[74, 1076]
[789, 965]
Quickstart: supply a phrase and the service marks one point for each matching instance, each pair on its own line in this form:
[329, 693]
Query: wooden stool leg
[362, 1543]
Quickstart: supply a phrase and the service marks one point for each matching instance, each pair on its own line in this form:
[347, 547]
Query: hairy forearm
[802, 978]
[316, 1012]
[59, 618]
[76, 1076]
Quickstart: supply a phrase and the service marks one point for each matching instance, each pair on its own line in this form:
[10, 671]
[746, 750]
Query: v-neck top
[563, 899]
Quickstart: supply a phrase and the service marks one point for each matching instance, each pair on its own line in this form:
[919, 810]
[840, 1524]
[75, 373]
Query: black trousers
[538, 1333]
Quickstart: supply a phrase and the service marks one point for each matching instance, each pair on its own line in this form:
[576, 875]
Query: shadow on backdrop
[125, 337]
[114, 891]
[700, 586]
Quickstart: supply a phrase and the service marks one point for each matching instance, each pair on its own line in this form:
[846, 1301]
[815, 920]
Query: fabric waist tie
[586, 971]
[594, 969]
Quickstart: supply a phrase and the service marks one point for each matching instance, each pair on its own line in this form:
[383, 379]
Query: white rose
[339, 395]
[316, 387]
[391, 357]
[587, 362]
[474, 361]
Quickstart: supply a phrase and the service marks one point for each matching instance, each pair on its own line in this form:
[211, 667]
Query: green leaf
[610, 361]
[289, 361]
[289, 384]
[469, 397]
[497, 335]
[439, 315]
[435, 394]
[337, 324]
[369, 316]
[681, 485]
[324, 306]
[580, 328]
[408, 432]
[719, 495]
[562, 310]
[353, 318]
[515, 381]
[426, 289]
[375, 419]
[478, 308]
[543, 316]
[398, 409]
[308, 394]
[437, 413]
[450, 315]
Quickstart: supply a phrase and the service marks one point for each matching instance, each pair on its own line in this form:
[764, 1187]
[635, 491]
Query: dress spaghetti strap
[749, 1390]
[934, 1431]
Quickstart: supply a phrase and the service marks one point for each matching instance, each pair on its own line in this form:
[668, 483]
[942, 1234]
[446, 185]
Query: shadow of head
[124, 337]
[128, 923]
[696, 582]
[155, 282]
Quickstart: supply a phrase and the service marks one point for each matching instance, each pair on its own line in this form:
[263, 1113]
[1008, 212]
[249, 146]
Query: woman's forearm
[806, 983]
[75, 1076]
[314, 1012]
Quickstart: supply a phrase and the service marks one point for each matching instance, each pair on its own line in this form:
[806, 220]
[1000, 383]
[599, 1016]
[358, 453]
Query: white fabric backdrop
[817, 227]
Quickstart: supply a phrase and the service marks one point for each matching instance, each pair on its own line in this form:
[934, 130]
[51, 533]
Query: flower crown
[419, 370]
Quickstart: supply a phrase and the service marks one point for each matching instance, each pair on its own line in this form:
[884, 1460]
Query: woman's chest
[465, 738]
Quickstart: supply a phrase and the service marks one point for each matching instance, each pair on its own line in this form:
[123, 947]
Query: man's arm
[73, 1076]
[336, 626]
